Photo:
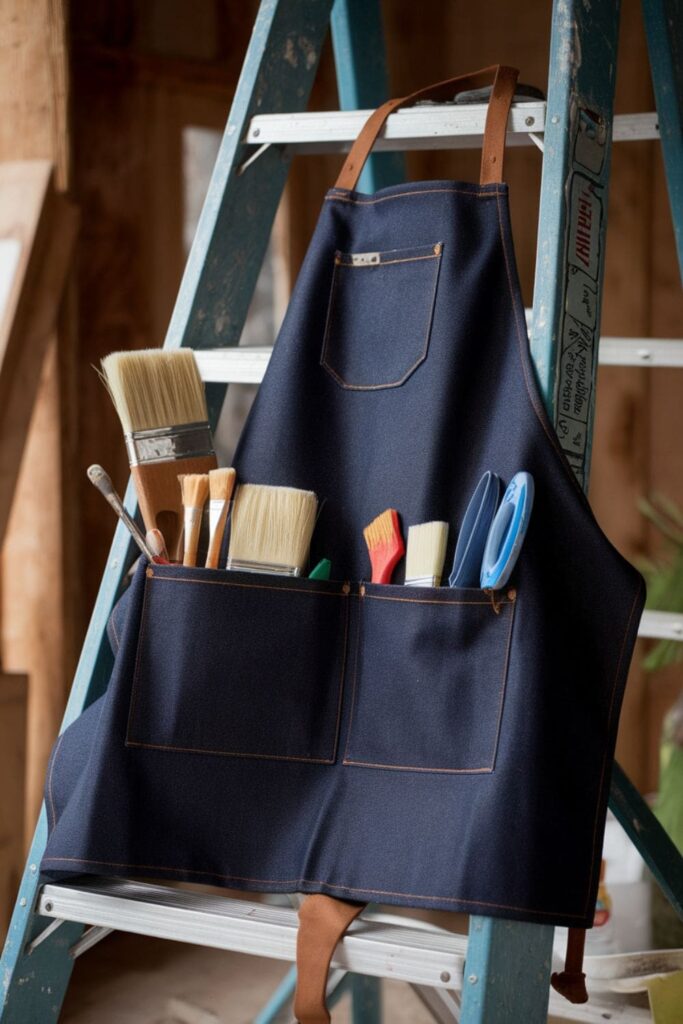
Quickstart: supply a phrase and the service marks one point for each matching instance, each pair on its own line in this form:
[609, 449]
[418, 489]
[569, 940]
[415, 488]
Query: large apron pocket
[429, 679]
[379, 316]
[239, 665]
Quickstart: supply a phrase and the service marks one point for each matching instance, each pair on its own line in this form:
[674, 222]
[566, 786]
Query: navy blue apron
[420, 747]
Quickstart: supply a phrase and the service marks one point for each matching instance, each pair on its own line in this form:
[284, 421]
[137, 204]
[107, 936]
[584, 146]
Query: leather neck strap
[322, 923]
[504, 82]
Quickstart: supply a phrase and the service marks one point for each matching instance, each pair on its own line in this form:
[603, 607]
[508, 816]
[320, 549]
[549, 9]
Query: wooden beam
[37, 231]
[13, 690]
[36, 623]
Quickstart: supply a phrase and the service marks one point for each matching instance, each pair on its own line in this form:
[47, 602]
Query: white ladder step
[423, 127]
[398, 951]
[247, 365]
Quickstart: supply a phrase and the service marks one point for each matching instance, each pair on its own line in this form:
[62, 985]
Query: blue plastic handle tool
[469, 551]
[507, 532]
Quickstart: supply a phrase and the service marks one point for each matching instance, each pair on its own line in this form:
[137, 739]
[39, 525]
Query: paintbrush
[102, 481]
[195, 491]
[157, 545]
[221, 486]
[385, 545]
[271, 529]
[425, 554]
[159, 398]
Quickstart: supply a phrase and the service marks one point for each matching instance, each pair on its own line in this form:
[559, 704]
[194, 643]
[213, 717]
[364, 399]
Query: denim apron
[426, 747]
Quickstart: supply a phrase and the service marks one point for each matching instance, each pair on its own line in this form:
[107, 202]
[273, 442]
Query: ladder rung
[424, 127]
[661, 625]
[247, 365]
[379, 949]
[656, 352]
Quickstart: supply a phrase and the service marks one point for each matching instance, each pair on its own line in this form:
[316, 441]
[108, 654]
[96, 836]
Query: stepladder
[576, 164]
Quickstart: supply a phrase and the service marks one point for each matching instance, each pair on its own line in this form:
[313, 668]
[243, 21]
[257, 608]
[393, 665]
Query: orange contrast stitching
[414, 768]
[417, 192]
[425, 347]
[252, 586]
[230, 753]
[297, 882]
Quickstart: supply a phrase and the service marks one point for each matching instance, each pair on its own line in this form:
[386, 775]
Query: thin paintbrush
[385, 545]
[159, 398]
[221, 486]
[425, 554]
[102, 481]
[157, 545]
[271, 529]
[195, 491]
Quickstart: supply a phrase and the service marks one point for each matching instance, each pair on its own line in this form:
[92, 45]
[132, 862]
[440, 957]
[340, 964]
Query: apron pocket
[239, 664]
[379, 316]
[429, 680]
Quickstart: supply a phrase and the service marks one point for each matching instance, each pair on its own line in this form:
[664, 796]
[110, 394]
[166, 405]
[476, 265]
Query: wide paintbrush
[159, 397]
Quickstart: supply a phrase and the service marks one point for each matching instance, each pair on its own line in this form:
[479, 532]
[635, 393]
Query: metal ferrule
[422, 581]
[263, 567]
[165, 444]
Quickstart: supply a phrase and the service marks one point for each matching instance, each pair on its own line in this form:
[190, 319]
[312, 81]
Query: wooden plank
[13, 695]
[38, 623]
[41, 226]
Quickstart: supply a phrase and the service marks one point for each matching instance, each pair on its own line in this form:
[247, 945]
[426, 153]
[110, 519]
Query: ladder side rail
[363, 80]
[515, 958]
[665, 46]
[211, 307]
[569, 265]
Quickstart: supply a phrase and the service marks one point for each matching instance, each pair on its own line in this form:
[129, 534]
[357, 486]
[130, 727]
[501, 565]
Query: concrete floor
[131, 980]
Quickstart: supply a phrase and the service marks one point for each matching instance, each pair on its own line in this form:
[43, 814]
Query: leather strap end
[571, 986]
[322, 923]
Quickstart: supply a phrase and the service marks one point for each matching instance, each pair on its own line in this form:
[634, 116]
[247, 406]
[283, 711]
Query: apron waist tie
[323, 920]
[571, 982]
[322, 923]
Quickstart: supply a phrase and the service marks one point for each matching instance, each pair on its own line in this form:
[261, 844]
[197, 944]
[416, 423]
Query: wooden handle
[160, 498]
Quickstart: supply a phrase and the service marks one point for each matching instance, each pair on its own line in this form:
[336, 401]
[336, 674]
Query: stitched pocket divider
[429, 679]
[379, 316]
[239, 665]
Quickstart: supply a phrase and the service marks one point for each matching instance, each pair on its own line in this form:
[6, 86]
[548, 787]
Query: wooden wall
[141, 70]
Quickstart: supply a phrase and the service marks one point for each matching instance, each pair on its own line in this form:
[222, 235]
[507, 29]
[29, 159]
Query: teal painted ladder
[503, 969]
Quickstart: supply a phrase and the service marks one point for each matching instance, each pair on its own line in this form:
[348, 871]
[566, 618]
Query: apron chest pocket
[429, 680]
[379, 316]
[239, 665]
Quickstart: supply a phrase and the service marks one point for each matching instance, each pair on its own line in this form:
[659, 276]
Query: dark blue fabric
[417, 747]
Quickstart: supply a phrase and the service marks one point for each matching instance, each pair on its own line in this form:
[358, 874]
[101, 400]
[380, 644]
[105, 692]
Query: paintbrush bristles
[221, 484]
[426, 553]
[382, 529]
[272, 526]
[195, 489]
[155, 388]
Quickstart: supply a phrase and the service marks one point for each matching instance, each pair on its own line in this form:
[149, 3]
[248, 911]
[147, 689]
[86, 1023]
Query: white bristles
[426, 553]
[221, 486]
[272, 528]
[155, 388]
